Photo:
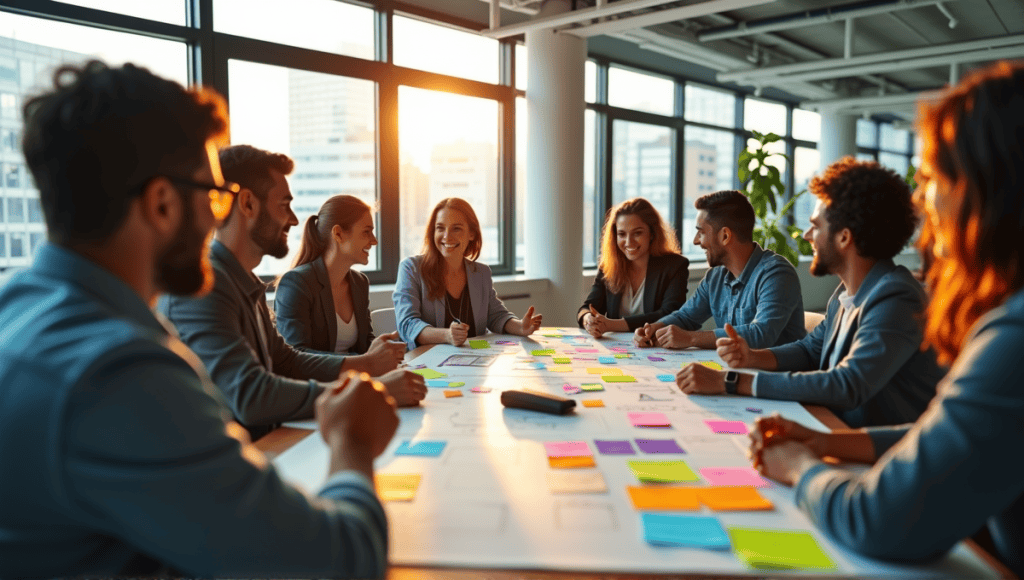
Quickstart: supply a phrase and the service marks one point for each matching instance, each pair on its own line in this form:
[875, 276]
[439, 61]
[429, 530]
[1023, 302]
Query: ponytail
[340, 210]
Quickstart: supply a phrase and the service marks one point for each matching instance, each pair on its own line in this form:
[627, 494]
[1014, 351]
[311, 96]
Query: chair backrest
[811, 319]
[383, 321]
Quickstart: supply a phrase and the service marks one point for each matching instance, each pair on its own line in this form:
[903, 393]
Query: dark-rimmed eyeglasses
[221, 196]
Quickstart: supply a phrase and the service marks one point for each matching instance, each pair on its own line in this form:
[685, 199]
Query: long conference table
[559, 361]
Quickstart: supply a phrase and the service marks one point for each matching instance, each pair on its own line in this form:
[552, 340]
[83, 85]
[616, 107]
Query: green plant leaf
[769, 138]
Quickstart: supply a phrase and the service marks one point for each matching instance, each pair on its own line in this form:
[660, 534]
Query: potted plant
[762, 183]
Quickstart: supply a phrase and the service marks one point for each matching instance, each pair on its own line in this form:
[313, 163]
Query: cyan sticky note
[684, 530]
[437, 383]
[606, 360]
[667, 378]
[421, 448]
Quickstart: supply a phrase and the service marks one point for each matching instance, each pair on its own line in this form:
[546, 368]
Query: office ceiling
[899, 49]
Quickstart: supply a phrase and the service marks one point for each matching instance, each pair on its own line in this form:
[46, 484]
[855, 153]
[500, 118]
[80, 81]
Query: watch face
[732, 376]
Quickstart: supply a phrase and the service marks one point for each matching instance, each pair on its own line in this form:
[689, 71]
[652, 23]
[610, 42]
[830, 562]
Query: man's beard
[714, 258]
[267, 235]
[184, 267]
[826, 260]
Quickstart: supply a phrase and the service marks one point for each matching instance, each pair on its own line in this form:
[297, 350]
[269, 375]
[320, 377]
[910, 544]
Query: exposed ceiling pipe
[661, 16]
[516, 6]
[581, 15]
[811, 18]
[495, 14]
[871, 102]
[848, 39]
[945, 12]
[841, 67]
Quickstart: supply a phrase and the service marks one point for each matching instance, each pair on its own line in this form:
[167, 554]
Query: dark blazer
[664, 292]
[304, 307]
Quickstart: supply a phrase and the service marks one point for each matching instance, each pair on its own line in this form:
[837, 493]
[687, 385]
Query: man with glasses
[265, 380]
[118, 453]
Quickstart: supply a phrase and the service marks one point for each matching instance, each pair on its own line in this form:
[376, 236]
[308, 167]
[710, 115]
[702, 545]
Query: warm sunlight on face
[451, 233]
[632, 237]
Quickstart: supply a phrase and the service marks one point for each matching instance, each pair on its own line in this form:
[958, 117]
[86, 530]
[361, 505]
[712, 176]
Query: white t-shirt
[347, 334]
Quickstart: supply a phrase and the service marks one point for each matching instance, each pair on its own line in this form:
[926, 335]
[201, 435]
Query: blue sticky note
[422, 448]
[667, 378]
[536, 365]
[684, 530]
[606, 360]
[437, 383]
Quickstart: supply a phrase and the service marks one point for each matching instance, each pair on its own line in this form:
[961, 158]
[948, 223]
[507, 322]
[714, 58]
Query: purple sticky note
[731, 427]
[567, 449]
[506, 342]
[655, 359]
[733, 476]
[659, 446]
[614, 447]
[650, 420]
[754, 409]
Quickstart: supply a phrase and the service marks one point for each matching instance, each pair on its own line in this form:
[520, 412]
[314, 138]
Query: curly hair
[613, 262]
[872, 201]
[100, 134]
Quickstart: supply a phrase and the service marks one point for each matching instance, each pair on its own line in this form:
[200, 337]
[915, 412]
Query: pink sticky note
[481, 389]
[733, 476]
[733, 427]
[588, 350]
[567, 449]
[649, 420]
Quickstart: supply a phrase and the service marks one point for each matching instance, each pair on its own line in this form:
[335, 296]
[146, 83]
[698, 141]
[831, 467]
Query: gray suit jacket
[222, 329]
[414, 311]
[304, 308]
[883, 377]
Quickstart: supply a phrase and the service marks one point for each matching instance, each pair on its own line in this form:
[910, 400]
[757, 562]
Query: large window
[324, 25]
[446, 51]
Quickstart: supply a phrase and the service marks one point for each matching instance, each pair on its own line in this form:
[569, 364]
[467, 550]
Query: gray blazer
[304, 308]
[883, 377]
[414, 311]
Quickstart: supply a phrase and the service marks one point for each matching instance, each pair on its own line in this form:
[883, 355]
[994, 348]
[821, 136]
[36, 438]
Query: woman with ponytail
[954, 471]
[322, 304]
[444, 294]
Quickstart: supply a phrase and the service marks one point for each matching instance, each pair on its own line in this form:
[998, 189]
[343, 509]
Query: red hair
[433, 266]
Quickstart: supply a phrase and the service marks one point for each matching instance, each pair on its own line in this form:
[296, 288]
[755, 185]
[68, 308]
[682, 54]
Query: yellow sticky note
[397, 486]
[604, 371]
[733, 498]
[664, 498]
[778, 549]
[618, 378]
[448, 394]
[560, 369]
[561, 360]
[429, 373]
[593, 403]
[662, 471]
[571, 462]
[711, 364]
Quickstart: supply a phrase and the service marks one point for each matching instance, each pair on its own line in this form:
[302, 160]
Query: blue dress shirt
[764, 304]
[119, 457]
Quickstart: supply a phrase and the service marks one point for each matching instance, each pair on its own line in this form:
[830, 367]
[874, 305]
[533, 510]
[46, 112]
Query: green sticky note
[618, 379]
[662, 471]
[562, 360]
[479, 344]
[592, 387]
[622, 355]
[429, 373]
[778, 549]
[543, 352]
[456, 385]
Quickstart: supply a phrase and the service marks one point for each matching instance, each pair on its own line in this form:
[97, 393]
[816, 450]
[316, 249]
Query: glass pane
[522, 67]
[710, 106]
[806, 125]
[521, 164]
[325, 123]
[898, 163]
[642, 164]
[3, 245]
[169, 11]
[865, 157]
[764, 116]
[632, 90]
[448, 148]
[590, 75]
[32, 49]
[709, 166]
[867, 133]
[591, 227]
[806, 163]
[325, 25]
[444, 50]
[893, 139]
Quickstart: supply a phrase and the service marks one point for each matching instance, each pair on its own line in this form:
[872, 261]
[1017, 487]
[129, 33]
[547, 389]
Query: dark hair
[432, 267]
[729, 208]
[974, 152]
[95, 140]
[874, 202]
[250, 168]
[340, 210]
[613, 262]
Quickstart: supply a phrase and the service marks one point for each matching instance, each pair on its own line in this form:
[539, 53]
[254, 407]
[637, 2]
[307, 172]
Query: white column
[838, 136]
[554, 182]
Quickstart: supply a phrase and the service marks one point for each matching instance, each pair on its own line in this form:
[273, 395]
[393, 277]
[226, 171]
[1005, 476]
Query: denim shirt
[764, 304]
[120, 457]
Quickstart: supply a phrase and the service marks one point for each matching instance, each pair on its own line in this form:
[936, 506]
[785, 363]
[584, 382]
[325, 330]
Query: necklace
[463, 312]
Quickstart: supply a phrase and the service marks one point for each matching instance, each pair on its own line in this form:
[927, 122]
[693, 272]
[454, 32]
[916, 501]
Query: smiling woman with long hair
[444, 294]
[953, 471]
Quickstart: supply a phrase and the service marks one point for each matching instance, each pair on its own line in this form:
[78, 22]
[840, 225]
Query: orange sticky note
[571, 462]
[604, 371]
[397, 486]
[664, 498]
[593, 403]
[738, 498]
[448, 394]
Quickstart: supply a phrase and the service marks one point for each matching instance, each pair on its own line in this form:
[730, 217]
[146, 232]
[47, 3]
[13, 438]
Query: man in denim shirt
[118, 453]
[755, 290]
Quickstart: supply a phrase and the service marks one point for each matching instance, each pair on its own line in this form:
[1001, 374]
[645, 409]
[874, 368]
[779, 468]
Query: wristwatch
[732, 380]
